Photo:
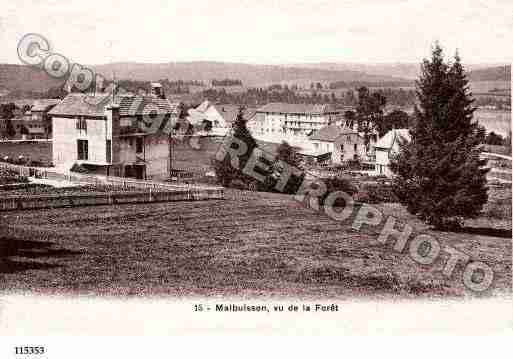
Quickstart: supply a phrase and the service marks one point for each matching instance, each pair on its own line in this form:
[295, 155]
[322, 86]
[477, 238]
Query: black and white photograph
[264, 167]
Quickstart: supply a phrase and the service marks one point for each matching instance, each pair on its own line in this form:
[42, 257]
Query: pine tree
[369, 112]
[9, 129]
[225, 172]
[439, 173]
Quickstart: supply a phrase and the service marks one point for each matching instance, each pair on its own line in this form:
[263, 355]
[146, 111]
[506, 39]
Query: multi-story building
[121, 135]
[276, 122]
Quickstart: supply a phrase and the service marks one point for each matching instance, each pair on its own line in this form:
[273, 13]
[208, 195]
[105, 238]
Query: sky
[261, 31]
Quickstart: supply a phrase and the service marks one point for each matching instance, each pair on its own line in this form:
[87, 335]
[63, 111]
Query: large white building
[276, 122]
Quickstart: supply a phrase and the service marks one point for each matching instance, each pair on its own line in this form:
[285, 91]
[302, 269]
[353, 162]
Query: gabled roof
[296, 108]
[330, 133]
[203, 106]
[229, 112]
[89, 105]
[44, 104]
[81, 105]
[388, 140]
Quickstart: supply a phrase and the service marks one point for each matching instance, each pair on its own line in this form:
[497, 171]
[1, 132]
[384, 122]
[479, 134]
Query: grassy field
[248, 245]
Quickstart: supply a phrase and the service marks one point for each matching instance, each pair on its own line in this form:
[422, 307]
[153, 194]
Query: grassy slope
[260, 245]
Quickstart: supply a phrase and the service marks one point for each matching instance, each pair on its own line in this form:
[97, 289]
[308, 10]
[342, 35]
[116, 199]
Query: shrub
[377, 193]
[243, 185]
[334, 184]
[9, 176]
[78, 168]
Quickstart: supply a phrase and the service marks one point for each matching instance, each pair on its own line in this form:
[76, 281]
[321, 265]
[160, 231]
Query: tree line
[283, 93]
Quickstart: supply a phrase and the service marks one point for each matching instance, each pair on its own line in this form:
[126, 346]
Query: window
[108, 149]
[139, 145]
[81, 124]
[355, 147]
[82, 149]
[341, 148]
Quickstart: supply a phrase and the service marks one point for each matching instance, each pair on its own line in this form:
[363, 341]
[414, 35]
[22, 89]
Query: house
[221, 117]
[114, 135]
[342, 143]
[386, 147]
[324, 138]
[31, 120]
[348, 146]
[41, 122]
[276, 122]
[26, 128]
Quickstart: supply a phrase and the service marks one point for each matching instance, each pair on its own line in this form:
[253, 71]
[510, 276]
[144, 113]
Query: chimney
[112, 129]
[98, 84]
[157, 90]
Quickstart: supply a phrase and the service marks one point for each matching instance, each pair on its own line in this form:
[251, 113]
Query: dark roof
[301, 108]
[44, 105]
[330, 133]
[94, 105]
[145, 105]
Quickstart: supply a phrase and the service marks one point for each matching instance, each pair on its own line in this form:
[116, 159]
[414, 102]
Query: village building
[343, 144]
[41, 123]
[220, 117]
[386, 147]
[276, 122]
[120, 136]
[31, 121]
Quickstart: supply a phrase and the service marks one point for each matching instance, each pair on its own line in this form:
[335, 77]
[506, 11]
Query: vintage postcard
[254, 167]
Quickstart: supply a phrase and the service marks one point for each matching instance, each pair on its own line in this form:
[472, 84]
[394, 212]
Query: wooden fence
[140, 191]
[12, 203]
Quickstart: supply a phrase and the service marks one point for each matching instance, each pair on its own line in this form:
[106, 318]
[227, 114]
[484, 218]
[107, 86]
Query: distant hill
[18, 77]
[24, 78]
[498, 73]
[408, 71]
[477, 72]
[251, 75]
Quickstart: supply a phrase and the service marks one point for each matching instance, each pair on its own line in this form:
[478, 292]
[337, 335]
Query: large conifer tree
[439, 174]
[225, 172]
